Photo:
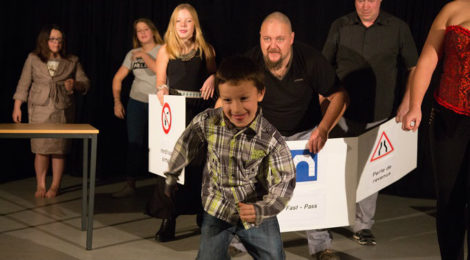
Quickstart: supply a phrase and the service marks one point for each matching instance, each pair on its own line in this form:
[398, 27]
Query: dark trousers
[450, 154]
[137, 136]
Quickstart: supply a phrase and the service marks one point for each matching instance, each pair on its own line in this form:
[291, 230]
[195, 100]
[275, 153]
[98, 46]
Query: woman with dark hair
[141, 61]
[49, 79]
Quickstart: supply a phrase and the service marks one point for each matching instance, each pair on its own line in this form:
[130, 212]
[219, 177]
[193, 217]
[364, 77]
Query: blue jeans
[262, 242]
[137, 137]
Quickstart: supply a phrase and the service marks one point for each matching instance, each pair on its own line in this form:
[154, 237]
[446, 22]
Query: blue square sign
[305, 164]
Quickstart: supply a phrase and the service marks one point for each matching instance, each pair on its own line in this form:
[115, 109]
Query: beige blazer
[36, 85]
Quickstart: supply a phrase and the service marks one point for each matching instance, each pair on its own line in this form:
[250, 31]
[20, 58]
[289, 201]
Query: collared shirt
[250, 165]
[367, 60]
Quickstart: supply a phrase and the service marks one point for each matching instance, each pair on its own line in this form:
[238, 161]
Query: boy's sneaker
[327, 254]
[365, 237]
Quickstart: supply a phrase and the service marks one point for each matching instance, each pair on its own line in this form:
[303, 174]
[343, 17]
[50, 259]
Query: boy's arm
[185, 149]
[280, 181]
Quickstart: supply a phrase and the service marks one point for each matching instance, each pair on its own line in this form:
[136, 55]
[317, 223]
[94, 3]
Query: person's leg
[264, 241]
[466, 172]
[58, 166]
[137, 131]
[215, 238]
[318, 240]
[449, 145]
[365, 212]
[41, 165]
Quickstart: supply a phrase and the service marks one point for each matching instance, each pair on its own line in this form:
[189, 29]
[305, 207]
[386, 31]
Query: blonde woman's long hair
[156, 35]
[174, 44]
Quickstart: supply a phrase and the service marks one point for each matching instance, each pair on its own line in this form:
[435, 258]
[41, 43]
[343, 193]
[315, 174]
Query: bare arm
[119, 111]
[149, 61]
[338, 102]
[427, 63]
[207, 90]
[161, 65]
[17, 111]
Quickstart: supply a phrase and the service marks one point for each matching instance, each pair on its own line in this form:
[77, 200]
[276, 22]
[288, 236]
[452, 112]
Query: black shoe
[167, 230]
[365, 237]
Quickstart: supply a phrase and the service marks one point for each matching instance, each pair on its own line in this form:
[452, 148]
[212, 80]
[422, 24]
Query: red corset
[454, 90]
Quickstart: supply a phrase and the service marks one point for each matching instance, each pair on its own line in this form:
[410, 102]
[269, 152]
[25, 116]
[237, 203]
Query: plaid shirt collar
[253, 128]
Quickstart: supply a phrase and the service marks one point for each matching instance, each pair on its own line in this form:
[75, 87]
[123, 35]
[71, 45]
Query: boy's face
[240, 102]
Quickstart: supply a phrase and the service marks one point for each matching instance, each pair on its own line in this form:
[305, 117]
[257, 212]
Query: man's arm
[337, 103]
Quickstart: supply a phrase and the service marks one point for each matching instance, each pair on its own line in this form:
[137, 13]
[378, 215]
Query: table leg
[89, 237]
[85, 183]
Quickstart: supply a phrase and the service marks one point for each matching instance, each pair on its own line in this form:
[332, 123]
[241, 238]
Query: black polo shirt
[292, 104]
[367, 59]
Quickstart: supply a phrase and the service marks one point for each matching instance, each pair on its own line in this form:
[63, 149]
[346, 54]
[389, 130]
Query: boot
[167, 230]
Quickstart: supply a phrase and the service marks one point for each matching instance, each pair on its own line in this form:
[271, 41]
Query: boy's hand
[247, 212]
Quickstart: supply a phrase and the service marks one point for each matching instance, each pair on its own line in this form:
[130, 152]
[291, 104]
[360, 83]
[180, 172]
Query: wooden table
[70, 131]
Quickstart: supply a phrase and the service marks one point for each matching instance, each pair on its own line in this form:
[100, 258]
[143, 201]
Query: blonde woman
[449, 130]
[48, 82]
[183, 64]
[141, 61]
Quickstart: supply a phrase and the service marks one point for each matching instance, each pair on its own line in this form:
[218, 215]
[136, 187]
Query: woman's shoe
[167, 230]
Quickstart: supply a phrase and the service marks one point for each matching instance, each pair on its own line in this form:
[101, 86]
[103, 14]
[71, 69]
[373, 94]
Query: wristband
[162, 87]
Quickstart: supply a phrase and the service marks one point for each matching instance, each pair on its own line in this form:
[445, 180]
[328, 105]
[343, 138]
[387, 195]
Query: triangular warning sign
[384, 147]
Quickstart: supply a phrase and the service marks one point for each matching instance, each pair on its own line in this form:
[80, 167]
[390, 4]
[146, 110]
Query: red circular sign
[166, 118]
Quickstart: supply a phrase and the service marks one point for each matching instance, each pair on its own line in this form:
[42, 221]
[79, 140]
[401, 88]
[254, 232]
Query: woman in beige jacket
[48, 82]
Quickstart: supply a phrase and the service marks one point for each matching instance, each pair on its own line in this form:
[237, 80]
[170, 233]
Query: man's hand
[247, 212]
[317, 140]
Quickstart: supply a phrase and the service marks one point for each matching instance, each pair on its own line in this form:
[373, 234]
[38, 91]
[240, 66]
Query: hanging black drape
[99, 32]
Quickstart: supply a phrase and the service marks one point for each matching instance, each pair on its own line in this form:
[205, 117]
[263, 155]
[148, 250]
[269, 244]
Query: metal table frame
[69, 131]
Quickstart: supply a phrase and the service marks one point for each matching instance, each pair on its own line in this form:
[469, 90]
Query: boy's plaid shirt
[249, 165]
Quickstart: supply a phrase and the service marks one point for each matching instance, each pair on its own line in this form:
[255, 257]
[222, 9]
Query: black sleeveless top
[187, 75]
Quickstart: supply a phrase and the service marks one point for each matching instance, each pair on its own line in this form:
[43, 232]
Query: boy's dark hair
[238, 68]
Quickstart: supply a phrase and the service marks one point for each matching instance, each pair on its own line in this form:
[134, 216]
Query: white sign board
[166, 123]
[386, 154]
[320, 197]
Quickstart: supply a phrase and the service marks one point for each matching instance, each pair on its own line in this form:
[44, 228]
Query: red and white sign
[383, 147]
[381, 163]
[166, 118]
[166, 123]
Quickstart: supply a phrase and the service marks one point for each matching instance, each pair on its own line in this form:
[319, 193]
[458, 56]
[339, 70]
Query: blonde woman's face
[184, 24]
[144, 33]
[55, 41]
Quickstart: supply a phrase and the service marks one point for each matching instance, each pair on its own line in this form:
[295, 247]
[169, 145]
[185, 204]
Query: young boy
[250, 174]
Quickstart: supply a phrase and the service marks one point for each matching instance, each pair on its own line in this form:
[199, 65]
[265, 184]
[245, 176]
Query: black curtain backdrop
[100, 33]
